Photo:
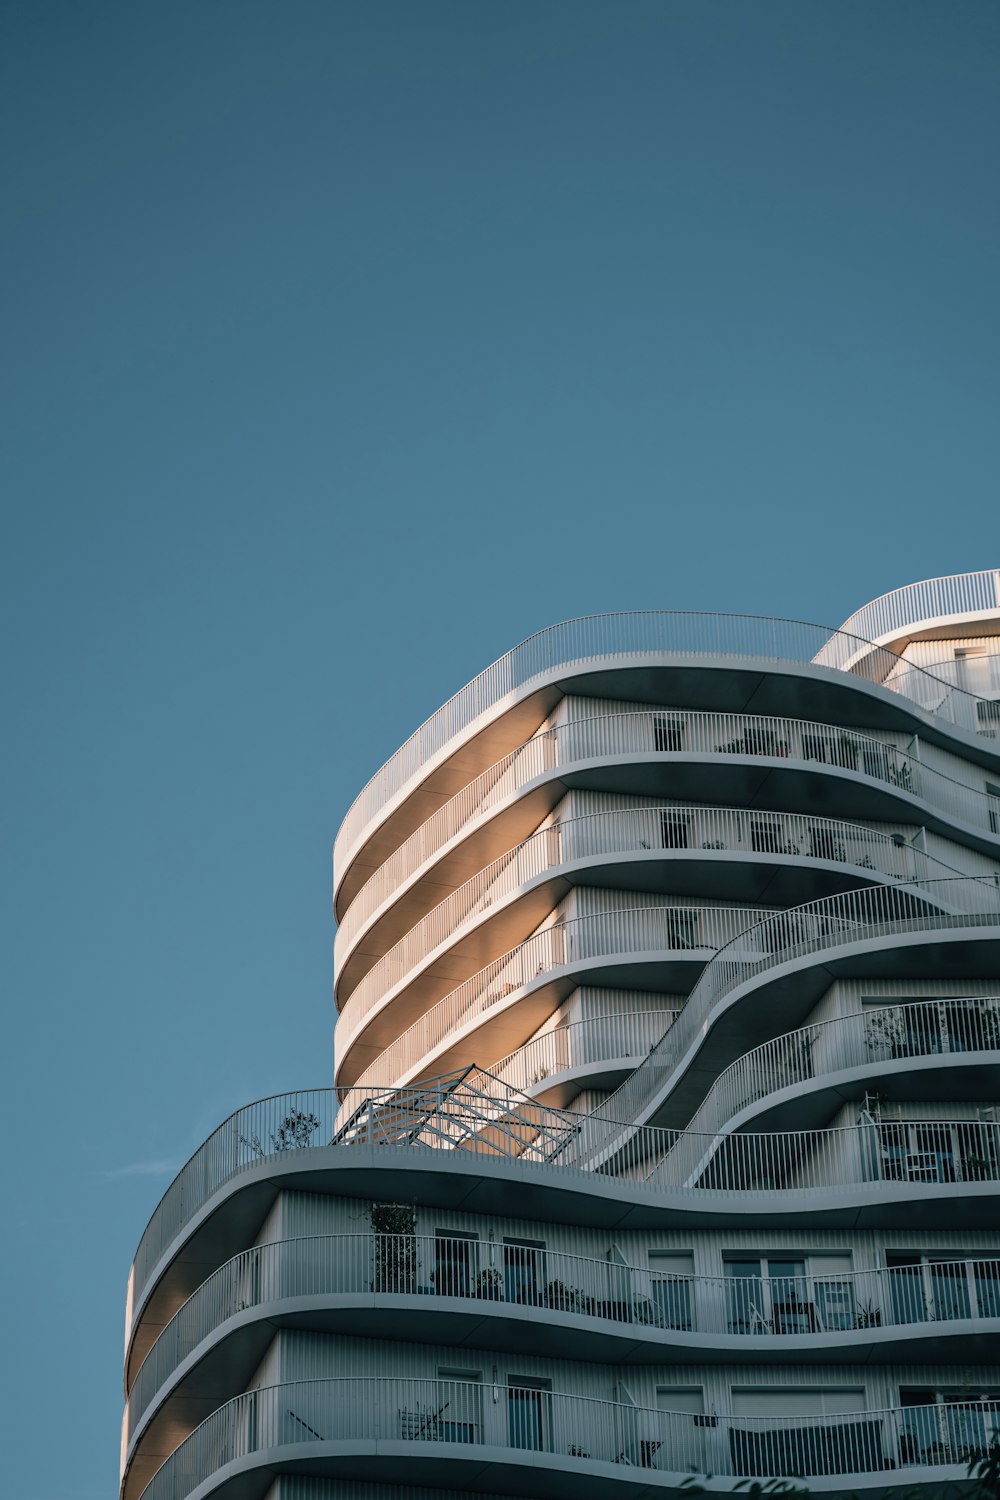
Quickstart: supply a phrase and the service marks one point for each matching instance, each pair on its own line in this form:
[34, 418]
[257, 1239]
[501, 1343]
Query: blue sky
[344, 345]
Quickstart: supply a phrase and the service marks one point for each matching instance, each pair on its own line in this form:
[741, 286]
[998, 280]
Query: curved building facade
[664, 1134]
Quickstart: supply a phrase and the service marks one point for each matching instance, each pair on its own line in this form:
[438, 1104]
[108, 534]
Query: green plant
[564, 1298]
[489, 1284]
[394, 1227]
[976, 1168]
[295, 1131]
[884, 1031]
[869, 1316]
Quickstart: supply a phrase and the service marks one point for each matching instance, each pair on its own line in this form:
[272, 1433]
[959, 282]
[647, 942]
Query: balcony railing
[580, 1044]
[696, 930]
[280, 1123]
[851, 917]
[512, 1278]
[664, 731]
[524, 1422]
[931, 599]
[613, 639]
[477, 1114]
[635, 830]
[869, 1038]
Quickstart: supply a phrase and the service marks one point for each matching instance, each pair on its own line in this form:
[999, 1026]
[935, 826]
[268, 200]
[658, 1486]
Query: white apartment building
[664, 1138]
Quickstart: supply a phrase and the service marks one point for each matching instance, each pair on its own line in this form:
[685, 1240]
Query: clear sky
[344, 345]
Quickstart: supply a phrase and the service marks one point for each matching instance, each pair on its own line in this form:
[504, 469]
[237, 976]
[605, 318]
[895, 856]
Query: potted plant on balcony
[868, 1316]
[884, 1032]
[394, 1230]
[563, 1298]
[489, 1284]
[976, 1168]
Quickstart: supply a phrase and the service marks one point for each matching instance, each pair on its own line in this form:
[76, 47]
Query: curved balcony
[768, 756]
[597, 1047]
[611, 643]
[499, 1007]
[429, 1431]
[965, 1031]
[733, 854]
[627, 1311]
[484, 1126]
[853, 920]
[930, 606]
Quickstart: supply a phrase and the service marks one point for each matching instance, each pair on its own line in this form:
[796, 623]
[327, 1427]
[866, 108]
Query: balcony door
[455, 1263]
[459, 1414]
[529, 1412]
[941, 1288]
[671, 1280]
[683, 1431]
[524, 1271]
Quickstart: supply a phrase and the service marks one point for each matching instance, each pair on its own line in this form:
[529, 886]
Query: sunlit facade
[664, 1135]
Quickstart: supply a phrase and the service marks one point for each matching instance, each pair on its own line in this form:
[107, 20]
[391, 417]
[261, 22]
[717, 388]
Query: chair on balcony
[420, 1426]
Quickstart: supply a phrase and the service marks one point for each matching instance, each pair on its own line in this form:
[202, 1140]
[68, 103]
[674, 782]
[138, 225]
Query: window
[900, 1026]
[936, 1151]
[938, 1287]
[945, 1425]
[993, 804]
[670, 1288]
[972, 670]
[765, 836]
[799, 1430]
[459, 1414]
[917, 1153]
[529, 1412]
[787, 1294]
[682, 929]
[668, 734]
[524, 1271]
[825, 845]
[876, 759]
[674, 830]
[455, 1262]
[682, 1428]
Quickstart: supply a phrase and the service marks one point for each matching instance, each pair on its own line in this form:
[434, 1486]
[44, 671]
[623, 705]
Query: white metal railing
[615, 638]
[633, 830]
[483, 1118]
[698, 930]
[273, 1125]
[931, 599]
[916, 683]
[949, 1290]
[580, 1044]
[524, 1422]
[850, 917]
[921, 1028]
[663, 731]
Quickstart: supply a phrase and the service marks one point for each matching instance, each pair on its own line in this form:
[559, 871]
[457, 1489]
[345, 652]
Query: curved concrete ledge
[724, 853]
[954, 604]
[903, 1046]
[498, 810]
[480, 1181]
[587, 1308]
[865, 933]
[745, 684]
[611, 1447]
